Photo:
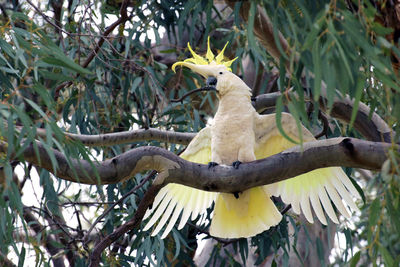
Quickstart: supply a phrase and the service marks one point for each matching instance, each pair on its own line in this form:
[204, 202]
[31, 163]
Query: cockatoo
[239, 134]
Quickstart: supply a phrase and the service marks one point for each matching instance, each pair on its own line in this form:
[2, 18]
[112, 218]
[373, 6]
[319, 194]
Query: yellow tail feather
[252, 213]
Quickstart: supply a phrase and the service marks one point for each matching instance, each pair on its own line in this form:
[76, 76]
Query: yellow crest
[209, 58]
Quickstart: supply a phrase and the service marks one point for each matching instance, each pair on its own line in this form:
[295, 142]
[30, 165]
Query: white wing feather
[175, 200]
[317, 187]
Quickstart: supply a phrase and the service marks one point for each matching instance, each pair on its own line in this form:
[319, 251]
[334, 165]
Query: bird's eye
[220, 72]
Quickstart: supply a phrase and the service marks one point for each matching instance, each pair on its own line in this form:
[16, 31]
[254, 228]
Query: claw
[236, 164]
[236, 194]
[212, 164]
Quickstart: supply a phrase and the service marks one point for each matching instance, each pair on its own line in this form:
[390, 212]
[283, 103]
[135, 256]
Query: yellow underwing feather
[175, 200]
[315, 187]
[323, 196]
[164, 218]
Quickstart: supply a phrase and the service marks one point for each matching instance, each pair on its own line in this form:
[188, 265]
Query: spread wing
[317, 187]
[175, 200]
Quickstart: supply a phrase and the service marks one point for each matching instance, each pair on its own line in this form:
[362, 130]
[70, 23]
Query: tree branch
[122, 19]
[367, 123]
[127, 137]
[372, 127]
[146, 201]
[347, 152]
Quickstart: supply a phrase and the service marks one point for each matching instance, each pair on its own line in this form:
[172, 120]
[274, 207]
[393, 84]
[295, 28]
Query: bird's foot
[236, 164]
[236, 194]
[212, 164]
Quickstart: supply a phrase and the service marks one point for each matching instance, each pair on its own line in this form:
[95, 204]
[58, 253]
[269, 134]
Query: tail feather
[231, 221]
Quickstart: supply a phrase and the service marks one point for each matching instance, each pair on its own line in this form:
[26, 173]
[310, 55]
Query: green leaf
[316, 55]
[250, 27]
[44, 94]
[312, 35]
[342, 54]
[66, 63]
[357, 99]
[278, 119]
[7, 48]
[320, 251]
[21, 257]
[37, 108]
[374, 212]
[54, 76]
[387, 258]
[355, 259]
[358, 188]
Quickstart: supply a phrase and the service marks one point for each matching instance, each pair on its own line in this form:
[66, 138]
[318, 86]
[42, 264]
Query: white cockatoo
[239, 134]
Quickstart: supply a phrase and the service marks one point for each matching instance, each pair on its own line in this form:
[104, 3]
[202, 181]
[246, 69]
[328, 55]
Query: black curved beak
[211, 81]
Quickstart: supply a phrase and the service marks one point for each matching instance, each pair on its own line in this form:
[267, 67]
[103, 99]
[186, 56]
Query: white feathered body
[239, 133]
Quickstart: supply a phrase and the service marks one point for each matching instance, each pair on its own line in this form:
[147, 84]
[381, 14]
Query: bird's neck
[234, 103]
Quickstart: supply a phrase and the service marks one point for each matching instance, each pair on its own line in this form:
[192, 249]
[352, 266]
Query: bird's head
[216, 70]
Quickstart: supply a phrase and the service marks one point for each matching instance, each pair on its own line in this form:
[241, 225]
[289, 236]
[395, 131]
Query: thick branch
[373, 127]
[347, 152]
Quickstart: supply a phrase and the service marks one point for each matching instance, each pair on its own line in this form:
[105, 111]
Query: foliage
[55, 76]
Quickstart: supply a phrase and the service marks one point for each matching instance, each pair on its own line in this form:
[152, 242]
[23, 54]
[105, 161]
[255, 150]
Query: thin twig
[205, 88]
[122, 19]
[109, 209]
[220, 240]
[325, 124]
[286, 209]
[146, 201]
